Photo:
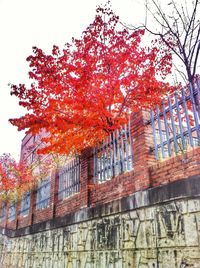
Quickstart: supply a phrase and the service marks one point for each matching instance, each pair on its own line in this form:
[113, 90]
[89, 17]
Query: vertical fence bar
[67, 175]
[194, 112]
[118, 152]
[114, 153]
[107, 160]
[126, 148]
[198, 87]
[63, 185]
[173, 125]
[94, 165]
[122, 148]
[74, 179]
[111, 158]
[180, 121]
[154, 133]
[187, 118]
[100, 163]
[104, 162]
[130, 144]
[63, 182]
[78, 173]
[75, 176]
[198, 97]
[68, 179]
[160, 131]
[166, 129]
[71, 179]
[59, 183]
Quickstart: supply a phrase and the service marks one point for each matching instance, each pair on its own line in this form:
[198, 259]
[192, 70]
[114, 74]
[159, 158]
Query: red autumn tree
[85, 91]
[15, 178]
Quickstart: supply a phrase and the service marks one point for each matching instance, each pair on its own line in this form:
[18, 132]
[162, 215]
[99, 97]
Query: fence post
[86, 174]
[54, 191]
[7, 213]
[197, 95]
[32, 206]
[17, 213]
[142, 142]
[4, 220]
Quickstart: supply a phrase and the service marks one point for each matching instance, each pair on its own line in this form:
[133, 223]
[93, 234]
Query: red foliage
[15, 179]
[87, 90]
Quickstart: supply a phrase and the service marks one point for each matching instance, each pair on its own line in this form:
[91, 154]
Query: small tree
[86, 91]
[15, 178]
[178, 26]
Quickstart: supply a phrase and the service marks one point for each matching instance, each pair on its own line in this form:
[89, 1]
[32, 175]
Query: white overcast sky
[41, 23]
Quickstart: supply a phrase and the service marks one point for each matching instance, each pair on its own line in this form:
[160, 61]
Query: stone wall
[158, 227]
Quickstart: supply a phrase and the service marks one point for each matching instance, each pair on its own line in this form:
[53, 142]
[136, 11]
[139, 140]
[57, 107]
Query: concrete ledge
[188, 188]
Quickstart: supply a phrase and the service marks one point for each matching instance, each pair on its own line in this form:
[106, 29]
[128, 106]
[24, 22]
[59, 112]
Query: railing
[25, 204]
[69, 179]
[43, 194]
[114, 155]
[12, 212]
[3, 212]
[176, 123]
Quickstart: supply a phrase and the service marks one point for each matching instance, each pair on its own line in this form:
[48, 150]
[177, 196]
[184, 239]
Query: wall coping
[187, 188]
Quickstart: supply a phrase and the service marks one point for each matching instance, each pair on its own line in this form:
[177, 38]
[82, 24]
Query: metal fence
[25, 204]
[3, 212]
[43, 194]
[176, 123]
[12, 212]
[113, 156]
[69, 179]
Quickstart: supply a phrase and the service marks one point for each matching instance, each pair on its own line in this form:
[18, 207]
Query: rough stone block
[194, 205]
[191, 235]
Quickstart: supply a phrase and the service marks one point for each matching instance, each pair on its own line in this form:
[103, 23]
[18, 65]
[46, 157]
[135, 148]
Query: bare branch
[179, 14]
[187, 17]
[156, 19]
[190, 34]
[192, 50]
[190, 22]
[183, 27]
[162, 36]
[182, 74]
[195, 60]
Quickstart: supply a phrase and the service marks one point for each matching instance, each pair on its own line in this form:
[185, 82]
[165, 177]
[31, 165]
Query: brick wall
[147, 173]
[176, 168]
[81, 199]
[139, 178]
